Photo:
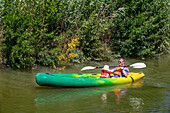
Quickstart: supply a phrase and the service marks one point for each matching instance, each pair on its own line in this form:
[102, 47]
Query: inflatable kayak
[83, 80]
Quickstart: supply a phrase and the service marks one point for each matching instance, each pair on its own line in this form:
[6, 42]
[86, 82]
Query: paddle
[135, 65]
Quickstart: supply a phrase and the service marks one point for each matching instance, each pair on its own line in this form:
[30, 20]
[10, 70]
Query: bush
[44, 32]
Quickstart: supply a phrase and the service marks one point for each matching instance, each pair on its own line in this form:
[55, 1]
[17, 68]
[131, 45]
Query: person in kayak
[120, 70]
[105, 72]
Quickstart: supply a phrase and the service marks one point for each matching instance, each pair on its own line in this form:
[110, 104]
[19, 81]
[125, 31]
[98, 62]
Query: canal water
[19, 92]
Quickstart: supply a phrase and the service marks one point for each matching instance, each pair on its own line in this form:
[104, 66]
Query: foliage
[68, 52]
[52, 32]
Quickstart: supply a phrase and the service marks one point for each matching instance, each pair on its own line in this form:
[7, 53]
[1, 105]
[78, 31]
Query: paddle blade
[87, 68]
[138, 65]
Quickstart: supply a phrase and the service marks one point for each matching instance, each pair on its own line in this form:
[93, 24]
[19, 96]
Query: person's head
[106, 67]
[121, 62]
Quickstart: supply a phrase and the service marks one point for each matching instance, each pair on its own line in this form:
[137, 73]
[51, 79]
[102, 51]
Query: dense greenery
[50, 32]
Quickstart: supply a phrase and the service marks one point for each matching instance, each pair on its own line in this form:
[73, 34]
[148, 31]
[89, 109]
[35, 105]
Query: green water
[20, 94]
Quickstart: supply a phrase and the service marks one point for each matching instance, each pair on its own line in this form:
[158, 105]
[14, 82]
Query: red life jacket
[118, 71]
[105, 74]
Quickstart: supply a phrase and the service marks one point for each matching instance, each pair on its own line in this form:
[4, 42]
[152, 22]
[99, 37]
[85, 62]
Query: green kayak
[83, 80]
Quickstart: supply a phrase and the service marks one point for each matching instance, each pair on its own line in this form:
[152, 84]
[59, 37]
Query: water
[20, 94]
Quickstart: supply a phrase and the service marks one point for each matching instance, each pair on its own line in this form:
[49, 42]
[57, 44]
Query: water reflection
[120, 91]
[47, 96]
[136, 103]
[117, 92]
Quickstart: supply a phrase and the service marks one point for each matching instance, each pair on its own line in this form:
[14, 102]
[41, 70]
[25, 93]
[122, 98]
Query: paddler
[105, 72]
[121, 70]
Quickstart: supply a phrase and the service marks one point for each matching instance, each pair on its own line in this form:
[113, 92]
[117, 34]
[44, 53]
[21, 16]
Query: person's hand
[122, 68]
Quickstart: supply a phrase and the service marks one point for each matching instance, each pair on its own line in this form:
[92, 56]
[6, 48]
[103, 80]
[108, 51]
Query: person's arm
[125, 71]
[111, 71]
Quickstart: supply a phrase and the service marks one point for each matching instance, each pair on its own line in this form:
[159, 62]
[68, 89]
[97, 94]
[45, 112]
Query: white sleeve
[112, 70]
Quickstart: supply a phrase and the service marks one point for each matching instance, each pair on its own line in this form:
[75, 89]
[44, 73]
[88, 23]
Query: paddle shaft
[135, 65]
[115, 66]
